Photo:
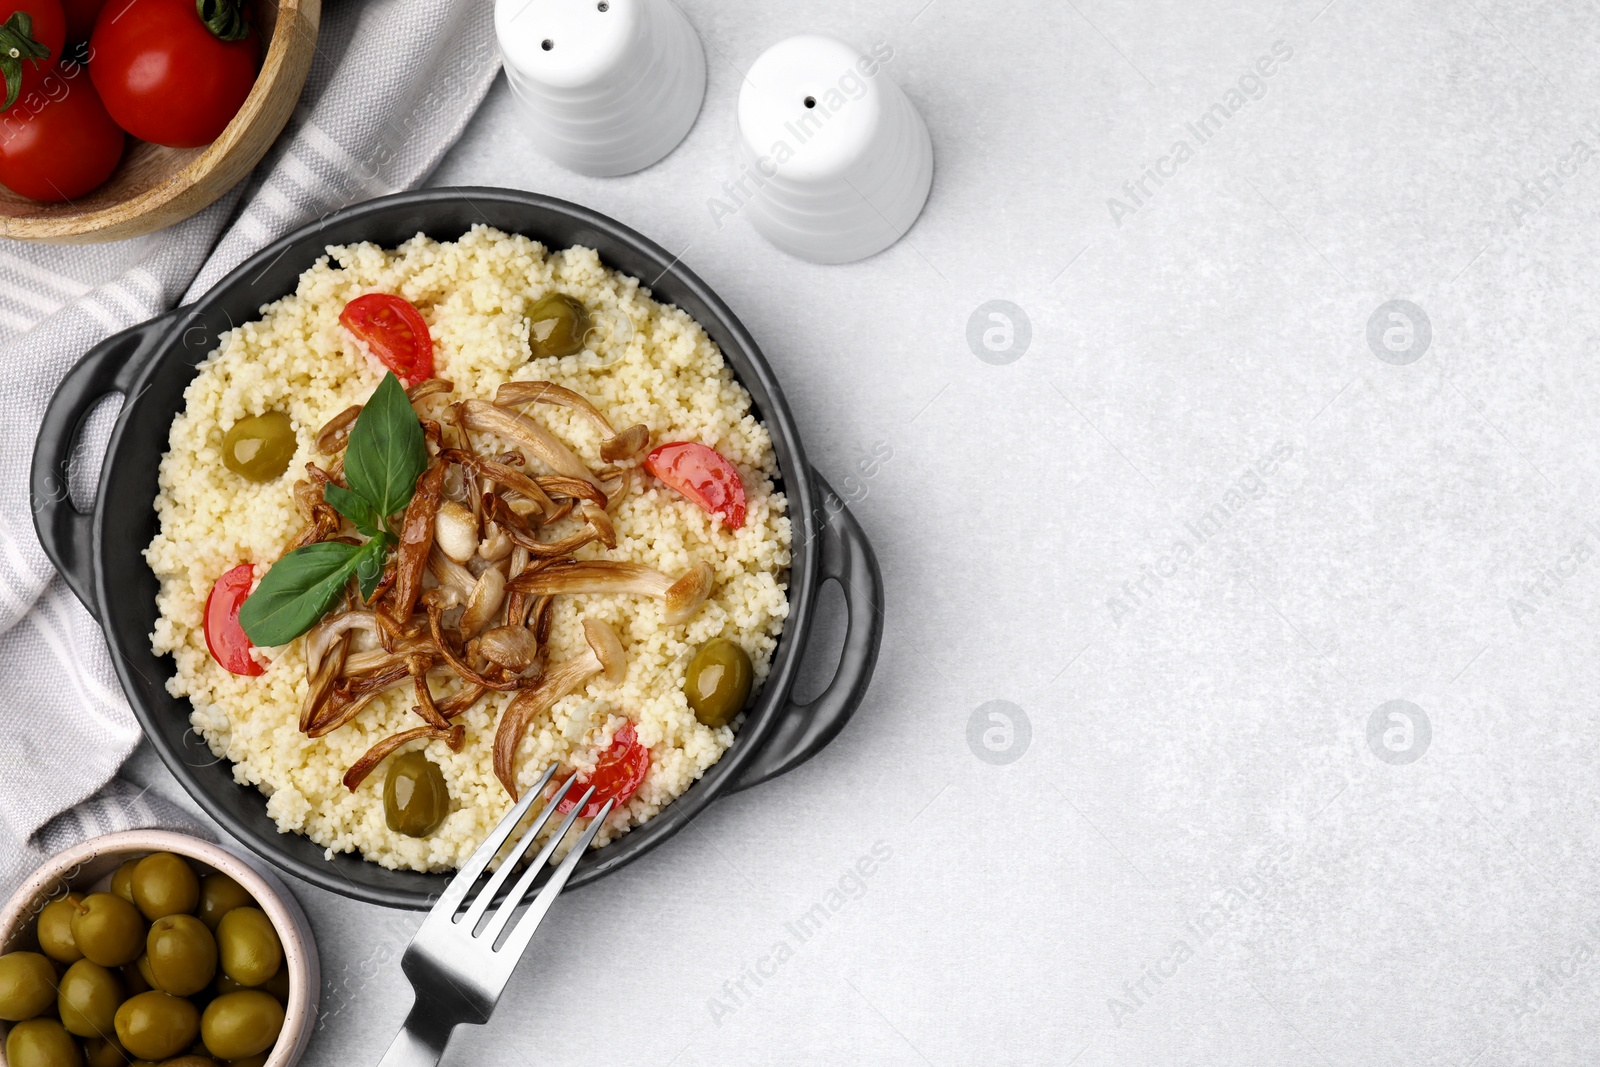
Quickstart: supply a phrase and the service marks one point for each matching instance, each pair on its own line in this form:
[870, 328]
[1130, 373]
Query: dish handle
[65, 532]
[803, 730]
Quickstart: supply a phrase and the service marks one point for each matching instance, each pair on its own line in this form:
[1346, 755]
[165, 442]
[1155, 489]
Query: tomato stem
[17, 44]
[224, 18]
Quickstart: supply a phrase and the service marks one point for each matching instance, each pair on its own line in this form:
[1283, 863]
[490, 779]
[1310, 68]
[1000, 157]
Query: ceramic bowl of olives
[154, 947]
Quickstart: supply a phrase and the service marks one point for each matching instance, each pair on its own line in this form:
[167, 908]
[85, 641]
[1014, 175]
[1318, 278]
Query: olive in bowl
[163, 884]
[27, 985]
[248, 946]
[175, 911]
[182, 955]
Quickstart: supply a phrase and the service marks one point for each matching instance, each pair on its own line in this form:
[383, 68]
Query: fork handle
[421, 1041]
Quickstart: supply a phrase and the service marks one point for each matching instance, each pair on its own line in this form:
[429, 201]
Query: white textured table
[1199, 533]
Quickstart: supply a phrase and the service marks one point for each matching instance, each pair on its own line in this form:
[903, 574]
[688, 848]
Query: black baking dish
[101, 553]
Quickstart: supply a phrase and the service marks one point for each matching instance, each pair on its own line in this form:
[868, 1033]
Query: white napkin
[391, 86]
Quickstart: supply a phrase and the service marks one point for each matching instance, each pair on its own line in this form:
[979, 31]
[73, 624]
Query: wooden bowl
[88, 867]
[154, 186]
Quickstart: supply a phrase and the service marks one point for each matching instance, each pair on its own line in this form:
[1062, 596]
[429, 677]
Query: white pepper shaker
[838, 160]
[608, 87]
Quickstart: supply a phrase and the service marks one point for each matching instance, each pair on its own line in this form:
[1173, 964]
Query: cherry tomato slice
[617, 775]
[703, 475]
[224, 636]
[396, 333]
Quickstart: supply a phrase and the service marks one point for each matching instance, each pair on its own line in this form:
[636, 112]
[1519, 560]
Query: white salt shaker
[608, 86]
[836, 160]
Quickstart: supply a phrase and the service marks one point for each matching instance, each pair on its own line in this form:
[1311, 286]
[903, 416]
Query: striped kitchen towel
[120, 805]
[392, 85]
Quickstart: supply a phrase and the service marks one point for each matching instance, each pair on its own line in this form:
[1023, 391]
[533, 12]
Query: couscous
[236, 492]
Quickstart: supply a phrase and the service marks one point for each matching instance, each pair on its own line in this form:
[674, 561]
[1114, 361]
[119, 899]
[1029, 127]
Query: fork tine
[522, 933]
[497, 923]
[456, 891]
[503, 917]
[481, 903]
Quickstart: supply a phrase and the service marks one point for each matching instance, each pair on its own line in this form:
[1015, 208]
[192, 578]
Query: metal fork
[456, 970]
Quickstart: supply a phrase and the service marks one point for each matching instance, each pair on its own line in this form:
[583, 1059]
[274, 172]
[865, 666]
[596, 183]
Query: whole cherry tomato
[224, 636]
[703, 475]
[167, 76]
[63, 148]
[617, 775]
[32, 33]
[395, 331]
[80, 17]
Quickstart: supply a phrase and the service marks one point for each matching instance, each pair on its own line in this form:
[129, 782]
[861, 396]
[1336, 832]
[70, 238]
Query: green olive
[193, 1059]
[241, 1024]
[105, 1052]
[258, 1060]
[556, 325]
[89, 997]
[122, 881]
[142, 965]
[108, 930]
[219, 895]
[27, 985]
[415, 797]
[259, 447]
[55, 929]
[165, 885]
[42, 1043]
[248, 946]
[718, 681]
[156, 1025]
[182, 954]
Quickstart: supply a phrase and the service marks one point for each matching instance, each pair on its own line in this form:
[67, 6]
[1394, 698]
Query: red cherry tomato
[396, 333]
[62, 149]
[165, 77]
[617, 775]
[224, 636]
[80, 17]
[702, 475]
[46, 31]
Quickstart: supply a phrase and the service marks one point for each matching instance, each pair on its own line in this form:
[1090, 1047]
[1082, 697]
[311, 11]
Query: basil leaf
[297, 591]
[354, 507]
[382, 462]
[387, 452]
[369, 565]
